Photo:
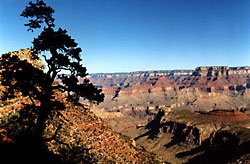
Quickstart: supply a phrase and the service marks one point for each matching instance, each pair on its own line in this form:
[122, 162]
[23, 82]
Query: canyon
[141, 94]
[165, 116]
[180, 114]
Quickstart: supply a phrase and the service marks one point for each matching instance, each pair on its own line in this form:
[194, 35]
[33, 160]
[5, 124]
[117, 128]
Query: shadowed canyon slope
[81, 134]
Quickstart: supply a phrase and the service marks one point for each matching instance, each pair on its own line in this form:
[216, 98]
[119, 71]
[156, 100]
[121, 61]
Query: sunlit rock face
[26, 54]
[210, 100]
[221, 71]
[142, 94]
[128, 79]
[200, 109]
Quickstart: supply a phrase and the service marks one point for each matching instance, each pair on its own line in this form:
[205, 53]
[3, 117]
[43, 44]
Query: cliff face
[182, 136]
[127, 79]
[202, 78]
[138, 100]
[197, 127]
[221, 71]
[211, 84]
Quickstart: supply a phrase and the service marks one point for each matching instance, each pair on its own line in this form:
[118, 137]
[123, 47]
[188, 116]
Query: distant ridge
[144, 73]
[178, 72]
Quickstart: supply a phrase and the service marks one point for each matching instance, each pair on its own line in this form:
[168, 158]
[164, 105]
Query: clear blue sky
[135, 35]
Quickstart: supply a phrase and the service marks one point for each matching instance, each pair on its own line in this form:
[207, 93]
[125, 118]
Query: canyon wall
[124, 79]
[141, 94]
[182, 136]
[199, 116]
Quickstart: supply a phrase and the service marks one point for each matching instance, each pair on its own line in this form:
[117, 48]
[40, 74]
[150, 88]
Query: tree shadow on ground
[26, 150]
[173, 142]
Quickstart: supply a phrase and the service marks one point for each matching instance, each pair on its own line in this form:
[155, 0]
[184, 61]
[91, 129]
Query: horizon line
[128, 72]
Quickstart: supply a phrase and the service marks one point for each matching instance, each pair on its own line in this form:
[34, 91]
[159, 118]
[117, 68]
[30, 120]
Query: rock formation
[219, 136]
[127, 79]
[210, 100]
[26, 54]
[205, 89]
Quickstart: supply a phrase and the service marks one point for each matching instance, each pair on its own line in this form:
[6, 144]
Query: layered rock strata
[182, 136]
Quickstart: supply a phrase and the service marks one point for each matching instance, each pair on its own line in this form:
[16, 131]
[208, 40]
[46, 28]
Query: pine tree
[64, 68]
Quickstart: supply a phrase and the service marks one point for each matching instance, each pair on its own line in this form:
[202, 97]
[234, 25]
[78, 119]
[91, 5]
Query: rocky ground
[82, 127]
[82, 136]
